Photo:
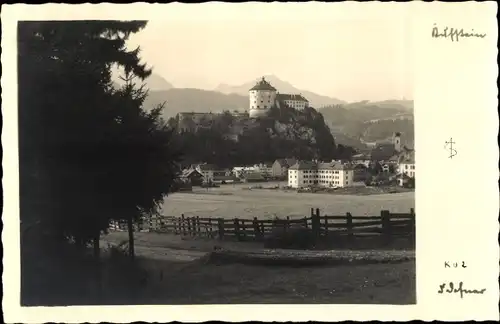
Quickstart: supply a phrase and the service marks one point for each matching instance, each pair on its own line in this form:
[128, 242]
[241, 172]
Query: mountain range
[315, 99]
[351, 123]
[154, 82]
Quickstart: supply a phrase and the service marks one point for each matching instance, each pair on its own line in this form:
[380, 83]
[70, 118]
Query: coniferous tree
[88, 153]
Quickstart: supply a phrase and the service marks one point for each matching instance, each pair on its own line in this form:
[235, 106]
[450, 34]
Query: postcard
[250, 162]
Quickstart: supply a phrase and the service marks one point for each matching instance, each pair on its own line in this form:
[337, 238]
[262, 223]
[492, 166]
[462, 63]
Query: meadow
[231, 201]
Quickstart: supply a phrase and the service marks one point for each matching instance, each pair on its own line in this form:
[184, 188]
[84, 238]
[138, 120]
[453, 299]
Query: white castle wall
[261, 101]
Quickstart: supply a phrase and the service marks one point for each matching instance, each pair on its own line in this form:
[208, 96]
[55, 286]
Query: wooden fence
[387, 224]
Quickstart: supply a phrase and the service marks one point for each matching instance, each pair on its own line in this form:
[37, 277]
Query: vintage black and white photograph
[216, 161]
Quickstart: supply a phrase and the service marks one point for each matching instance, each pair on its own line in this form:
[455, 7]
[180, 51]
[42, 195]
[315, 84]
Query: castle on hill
[263, 96]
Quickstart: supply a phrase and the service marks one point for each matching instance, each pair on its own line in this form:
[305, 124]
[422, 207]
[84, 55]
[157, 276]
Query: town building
[265, 169]
[225, 179]
[328, 175]
[360, 172]
[296, 101]
[406, 168]
[263, 96]
[192, 176]
[209, 171]
[280, 167]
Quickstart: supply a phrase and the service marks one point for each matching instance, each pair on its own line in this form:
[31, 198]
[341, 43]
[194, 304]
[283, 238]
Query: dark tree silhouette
[88, 153]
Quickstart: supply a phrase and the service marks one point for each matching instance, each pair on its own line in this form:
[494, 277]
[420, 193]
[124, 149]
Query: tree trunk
[97, 248]
[97, 266]
[131, 238]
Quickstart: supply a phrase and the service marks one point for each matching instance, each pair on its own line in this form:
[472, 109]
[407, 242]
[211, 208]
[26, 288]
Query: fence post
[183, 223]
[244, 229]
[220, 224]
[318, 223]
[150, 223]
[305, 222]
[315, 224]
[413, 232]
[326, 224]
[209, 229]
[198, 225]
[256, 229]
[193, 226]
[386, 225]
[350, 234]
[237, 228]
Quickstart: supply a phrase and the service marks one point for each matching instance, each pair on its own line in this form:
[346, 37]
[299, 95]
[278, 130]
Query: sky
[352, 55]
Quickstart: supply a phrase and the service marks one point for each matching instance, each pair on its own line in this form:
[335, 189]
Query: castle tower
[262, 97]
[396, 140]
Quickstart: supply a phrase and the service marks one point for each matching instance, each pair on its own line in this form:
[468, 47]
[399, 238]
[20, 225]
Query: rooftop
[310, 165]
[263, 85]
[408, 158]
[285, 96]
[288, 162]
[208, 167]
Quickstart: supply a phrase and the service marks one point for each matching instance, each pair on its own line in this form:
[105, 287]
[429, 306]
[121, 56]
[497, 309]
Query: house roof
[253, 175]
[334, 166]
[286, 96]
[188, 172]
[263, 85]
[395, 158]
[208, 167]
[288, 162]
[408, 159]
[310, 165]
[361, 156]
[304, 165]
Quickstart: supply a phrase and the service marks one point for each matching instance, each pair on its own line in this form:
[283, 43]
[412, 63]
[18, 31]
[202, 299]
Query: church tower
[262, 98]
[396, 140]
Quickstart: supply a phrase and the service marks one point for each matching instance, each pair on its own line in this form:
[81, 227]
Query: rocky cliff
[227, 139]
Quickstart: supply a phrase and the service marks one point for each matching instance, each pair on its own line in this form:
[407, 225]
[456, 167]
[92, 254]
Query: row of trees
[88, 153]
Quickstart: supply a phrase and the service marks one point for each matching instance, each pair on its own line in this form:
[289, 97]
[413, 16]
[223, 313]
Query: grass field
[243, 284]
[231, 201]
[186, 280]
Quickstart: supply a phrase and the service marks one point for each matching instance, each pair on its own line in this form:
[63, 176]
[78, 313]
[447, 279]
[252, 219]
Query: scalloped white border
[457, 201]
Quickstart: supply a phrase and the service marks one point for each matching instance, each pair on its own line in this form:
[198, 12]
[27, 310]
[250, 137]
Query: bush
[295, 237]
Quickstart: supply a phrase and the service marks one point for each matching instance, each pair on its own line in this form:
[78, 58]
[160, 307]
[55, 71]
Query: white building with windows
[406, 168]
[210, 171]
[407, 165]
[296, 101]
[263, 96]
[328, 175]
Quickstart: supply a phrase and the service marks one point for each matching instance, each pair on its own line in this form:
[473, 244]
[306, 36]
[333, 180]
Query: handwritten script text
[451, 289]
[454, 34]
